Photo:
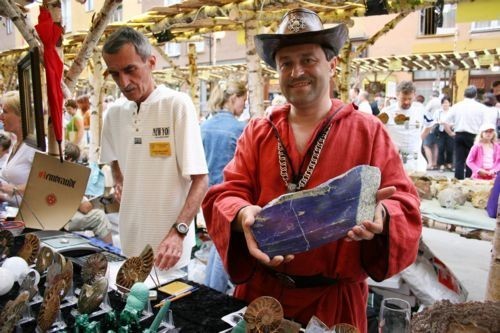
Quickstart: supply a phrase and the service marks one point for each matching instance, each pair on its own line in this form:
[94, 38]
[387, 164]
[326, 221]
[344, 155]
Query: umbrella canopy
[50, 33]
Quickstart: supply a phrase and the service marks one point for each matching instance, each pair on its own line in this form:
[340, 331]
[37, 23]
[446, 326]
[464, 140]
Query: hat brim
[268, 44]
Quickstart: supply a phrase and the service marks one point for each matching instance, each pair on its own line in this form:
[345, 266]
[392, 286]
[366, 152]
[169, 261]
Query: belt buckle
[287, 280]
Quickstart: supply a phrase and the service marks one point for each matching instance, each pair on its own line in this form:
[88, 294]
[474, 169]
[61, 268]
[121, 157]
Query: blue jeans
[216, 277]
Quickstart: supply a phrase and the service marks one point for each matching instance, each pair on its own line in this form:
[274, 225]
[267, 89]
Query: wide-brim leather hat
[300, 26]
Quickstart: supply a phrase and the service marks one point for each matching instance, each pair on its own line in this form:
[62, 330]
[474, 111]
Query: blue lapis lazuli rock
[301, 221]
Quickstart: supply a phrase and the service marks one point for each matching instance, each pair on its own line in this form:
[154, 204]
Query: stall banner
[53, 192]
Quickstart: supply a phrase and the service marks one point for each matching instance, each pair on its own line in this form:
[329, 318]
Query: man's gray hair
[406, 87]
[470, 92]
[126, 35]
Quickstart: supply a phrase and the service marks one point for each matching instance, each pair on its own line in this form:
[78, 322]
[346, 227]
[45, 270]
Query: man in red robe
[330, 281]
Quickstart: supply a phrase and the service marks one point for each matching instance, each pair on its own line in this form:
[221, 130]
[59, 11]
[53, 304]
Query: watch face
[182, 228]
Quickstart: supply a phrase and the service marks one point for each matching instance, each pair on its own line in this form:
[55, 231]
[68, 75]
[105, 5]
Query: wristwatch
[182, 228]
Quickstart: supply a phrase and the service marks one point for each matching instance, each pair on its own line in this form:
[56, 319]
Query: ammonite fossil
[91, 296]
[400, 119]
[56, 274]
[384, 117]
[135, 269]
[12, 312]
[264, 315]
[95, 267]
[44, 259]
[30, 248]
[6, 243]
[29, 284]
[50, 306]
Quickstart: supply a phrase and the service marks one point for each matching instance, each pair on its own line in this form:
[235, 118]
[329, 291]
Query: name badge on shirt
[159, 149]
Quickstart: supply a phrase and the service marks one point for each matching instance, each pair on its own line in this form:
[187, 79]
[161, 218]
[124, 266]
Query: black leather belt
[302, 281]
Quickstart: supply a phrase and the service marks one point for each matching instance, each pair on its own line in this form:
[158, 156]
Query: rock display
[301, 221]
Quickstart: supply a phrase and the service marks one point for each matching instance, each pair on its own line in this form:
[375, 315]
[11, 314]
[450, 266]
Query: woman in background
[220, 133]
[15, 172]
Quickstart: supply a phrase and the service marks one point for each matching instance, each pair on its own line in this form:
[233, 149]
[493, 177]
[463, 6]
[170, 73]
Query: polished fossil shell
[30, 248]
[264, 314]
[384, 117]
[44, 259]
[91, 296]
[55, 274]
[50, 306]
[135, 269]
[6, 243]
[29, 284]
[400, 119]
[95, 267]
[12, 311]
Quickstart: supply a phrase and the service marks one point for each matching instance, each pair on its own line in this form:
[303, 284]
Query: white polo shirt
[157, 149]
[406, 137]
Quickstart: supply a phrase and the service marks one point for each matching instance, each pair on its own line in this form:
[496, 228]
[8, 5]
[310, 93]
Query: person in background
[15, 173]
[444, 137]
[74, 129]
[406, 125]
[484, 156]
[5, 144]
[492, 111]
[377, 104]
[465, 117]
[152, 142]
[220, 134]
[271, 159]
[434, 103]
[83, 102]
[87, 217]
[364, 105]
[353, 95]
[495, 89]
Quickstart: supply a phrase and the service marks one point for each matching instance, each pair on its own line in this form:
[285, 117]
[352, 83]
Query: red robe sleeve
[223, 202]
[386, 255]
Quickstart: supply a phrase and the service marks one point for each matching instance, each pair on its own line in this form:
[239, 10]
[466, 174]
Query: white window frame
[67, 22]
[89, 5]
[8, 26]
[117, 14]
[491, 26]
[173, 49]
[200, 46]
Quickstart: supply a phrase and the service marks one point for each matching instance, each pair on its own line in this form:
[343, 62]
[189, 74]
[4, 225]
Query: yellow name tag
[159, 149]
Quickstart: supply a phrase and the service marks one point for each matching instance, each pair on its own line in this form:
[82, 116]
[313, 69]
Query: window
[485, 26]
[89, 5]
[118, 14]
[66, 15]
[173, 49]
[8, 26]
[436, 21]
[200, 46]
[171, 2]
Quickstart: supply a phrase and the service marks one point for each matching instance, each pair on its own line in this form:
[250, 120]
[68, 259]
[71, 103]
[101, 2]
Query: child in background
[484, 156]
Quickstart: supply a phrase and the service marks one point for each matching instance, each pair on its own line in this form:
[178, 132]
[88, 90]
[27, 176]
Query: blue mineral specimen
[301, 221]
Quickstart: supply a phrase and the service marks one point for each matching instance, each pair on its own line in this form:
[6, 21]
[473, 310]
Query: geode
[301, 221]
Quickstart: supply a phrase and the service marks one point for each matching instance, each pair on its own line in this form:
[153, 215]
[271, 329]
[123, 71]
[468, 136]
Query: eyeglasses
[491, 130]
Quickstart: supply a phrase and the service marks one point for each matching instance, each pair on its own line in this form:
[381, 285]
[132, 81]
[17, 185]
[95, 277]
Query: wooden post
[96, 107]
[493, 287]
[255, 81]
[345, 72]
[193, 77]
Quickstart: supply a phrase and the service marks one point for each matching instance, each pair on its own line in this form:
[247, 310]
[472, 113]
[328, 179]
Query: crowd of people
[166, 165]
[438, 136]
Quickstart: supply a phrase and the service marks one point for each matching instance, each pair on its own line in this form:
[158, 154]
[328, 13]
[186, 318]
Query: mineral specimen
[301, 221]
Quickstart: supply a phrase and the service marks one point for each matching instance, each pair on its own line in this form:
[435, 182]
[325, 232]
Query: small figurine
[136, 302]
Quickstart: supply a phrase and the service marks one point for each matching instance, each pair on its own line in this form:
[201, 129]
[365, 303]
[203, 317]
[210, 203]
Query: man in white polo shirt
[152, 141]
[405, 125]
